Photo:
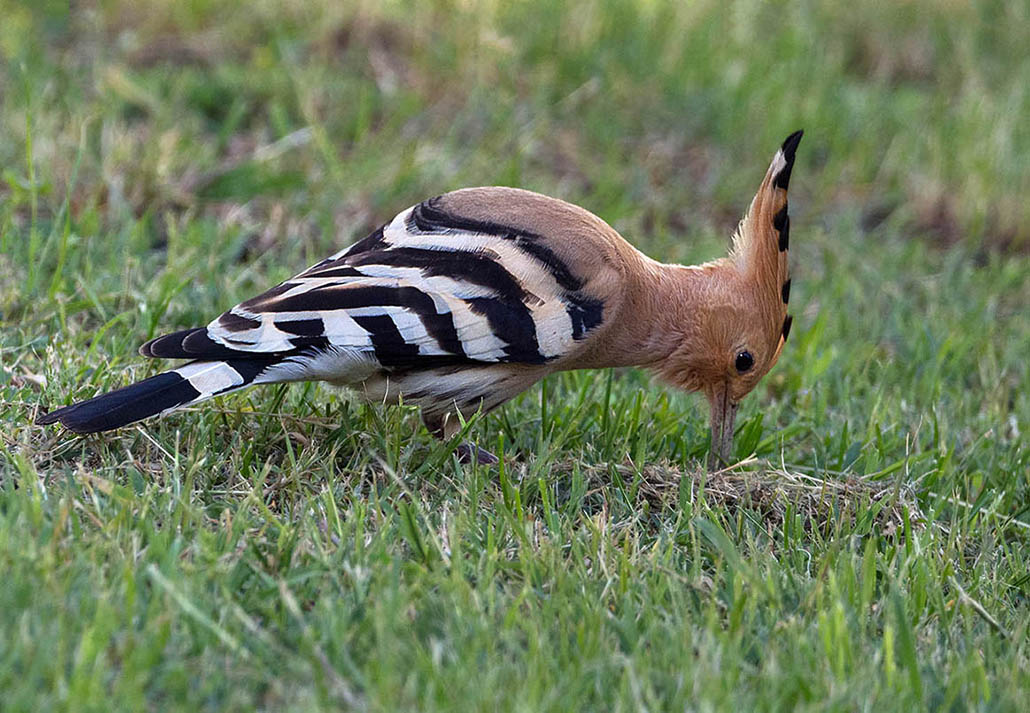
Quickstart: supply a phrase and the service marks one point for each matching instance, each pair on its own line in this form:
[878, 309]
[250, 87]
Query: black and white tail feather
[189, 384]
[432, 307]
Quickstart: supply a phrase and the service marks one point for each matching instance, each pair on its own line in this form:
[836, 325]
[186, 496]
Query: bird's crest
[762, 242]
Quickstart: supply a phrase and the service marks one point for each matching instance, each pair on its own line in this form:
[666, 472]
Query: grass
[289, 548]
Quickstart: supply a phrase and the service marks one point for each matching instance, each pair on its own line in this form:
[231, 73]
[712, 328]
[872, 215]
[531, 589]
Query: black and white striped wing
[428, 289]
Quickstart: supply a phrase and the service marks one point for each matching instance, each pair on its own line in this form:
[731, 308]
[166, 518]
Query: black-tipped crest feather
[789, 149]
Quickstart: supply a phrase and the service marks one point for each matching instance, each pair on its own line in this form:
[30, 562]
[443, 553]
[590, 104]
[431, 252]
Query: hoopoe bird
[465, 300]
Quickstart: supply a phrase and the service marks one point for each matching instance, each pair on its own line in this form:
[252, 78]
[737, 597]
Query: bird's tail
[189, 384]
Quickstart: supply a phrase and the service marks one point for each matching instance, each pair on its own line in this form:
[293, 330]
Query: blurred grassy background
[160, 161]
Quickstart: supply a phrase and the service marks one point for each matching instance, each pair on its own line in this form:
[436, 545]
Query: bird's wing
[438, 285]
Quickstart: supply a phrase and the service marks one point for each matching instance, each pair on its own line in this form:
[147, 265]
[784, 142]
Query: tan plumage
[465, 300]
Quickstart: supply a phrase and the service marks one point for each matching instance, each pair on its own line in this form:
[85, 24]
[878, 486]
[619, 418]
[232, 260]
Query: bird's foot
[471, 453]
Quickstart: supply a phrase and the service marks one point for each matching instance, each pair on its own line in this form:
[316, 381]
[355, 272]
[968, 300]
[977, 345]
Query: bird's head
[739, 321]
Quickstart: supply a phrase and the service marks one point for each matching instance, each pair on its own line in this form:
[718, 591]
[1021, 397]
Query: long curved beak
[724, 413]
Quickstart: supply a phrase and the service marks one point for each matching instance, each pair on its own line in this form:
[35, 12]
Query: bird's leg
[445, 426]
[467, 452]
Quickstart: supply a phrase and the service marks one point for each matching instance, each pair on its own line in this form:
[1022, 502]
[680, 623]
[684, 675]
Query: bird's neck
[662, 311]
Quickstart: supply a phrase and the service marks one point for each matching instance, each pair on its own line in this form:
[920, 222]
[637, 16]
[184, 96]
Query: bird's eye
[744, 361]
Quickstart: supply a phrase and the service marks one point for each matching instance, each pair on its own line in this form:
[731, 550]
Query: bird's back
[481, 275]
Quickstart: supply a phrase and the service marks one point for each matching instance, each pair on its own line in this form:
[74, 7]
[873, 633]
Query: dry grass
[768, 494]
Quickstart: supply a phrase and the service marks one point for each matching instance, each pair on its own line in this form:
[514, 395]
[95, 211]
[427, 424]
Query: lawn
[289, 548]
